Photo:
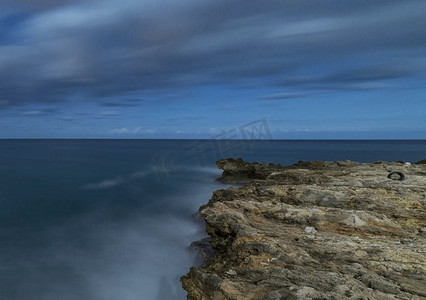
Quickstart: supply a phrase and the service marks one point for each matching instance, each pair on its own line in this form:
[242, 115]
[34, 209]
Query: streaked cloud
[42, 112]
[133, 69]
[286, 95]
[109, 48]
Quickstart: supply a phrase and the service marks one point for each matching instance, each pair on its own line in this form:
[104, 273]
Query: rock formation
[315, 230]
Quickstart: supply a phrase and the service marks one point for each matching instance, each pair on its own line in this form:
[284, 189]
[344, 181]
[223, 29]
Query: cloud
[43, 112]
[103, 49]
[374, 76]
[124, 103]
[122, 130]
[109, 113]
[286, 95]
[125, 130]
[31, 113]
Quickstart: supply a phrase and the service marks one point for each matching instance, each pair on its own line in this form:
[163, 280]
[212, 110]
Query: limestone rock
[314, 230]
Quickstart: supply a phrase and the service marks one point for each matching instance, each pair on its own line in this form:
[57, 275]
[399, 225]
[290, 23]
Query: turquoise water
[111, 219]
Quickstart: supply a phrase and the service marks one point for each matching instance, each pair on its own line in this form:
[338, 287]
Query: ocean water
[111, 219]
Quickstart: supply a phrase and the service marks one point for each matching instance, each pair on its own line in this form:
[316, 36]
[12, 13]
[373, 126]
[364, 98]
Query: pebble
[311, 230]
[231, 272]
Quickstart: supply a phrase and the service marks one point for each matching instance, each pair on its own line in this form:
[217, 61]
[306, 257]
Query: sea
[113, 219]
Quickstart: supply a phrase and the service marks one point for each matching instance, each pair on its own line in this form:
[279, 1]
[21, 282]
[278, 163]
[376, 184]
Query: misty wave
[141, 259]
[108, 183]
[113, 232]
[94, 257]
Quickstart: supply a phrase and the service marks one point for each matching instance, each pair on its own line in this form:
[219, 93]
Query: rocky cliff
[315, 230]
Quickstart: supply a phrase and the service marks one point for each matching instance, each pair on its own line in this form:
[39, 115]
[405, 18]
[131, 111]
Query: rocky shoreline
[314, 230]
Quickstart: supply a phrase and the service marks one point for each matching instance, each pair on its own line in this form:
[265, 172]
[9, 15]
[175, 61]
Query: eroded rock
[315, 230]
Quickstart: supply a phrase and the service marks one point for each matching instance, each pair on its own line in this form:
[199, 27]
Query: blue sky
[194, 69]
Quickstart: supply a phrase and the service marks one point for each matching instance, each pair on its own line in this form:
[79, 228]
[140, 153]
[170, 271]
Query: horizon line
[212, 139]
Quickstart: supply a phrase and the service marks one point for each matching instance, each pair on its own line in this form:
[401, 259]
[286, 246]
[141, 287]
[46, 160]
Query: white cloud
[149, 130]
[125, 130]
[122, 130]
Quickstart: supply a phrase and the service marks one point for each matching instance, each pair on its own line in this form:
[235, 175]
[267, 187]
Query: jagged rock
[314, 230]
[203, 251]
[421, 162]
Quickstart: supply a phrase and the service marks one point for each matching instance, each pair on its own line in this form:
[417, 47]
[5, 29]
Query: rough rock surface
[315, 230]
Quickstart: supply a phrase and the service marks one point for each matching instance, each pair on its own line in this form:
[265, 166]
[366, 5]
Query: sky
[309, 69]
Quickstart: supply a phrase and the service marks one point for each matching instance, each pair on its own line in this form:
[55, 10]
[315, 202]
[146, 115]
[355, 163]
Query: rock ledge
[315, 230]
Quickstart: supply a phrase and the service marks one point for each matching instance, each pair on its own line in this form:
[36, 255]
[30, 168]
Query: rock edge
[314, 230]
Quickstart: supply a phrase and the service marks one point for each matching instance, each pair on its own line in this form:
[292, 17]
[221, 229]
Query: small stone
[407, 164]
[311, 230]
[360, 254]
[231, 272]
[354, 221]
